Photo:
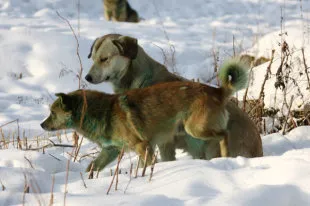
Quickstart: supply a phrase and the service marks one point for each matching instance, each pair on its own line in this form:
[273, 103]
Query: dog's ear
[60, 95]
[91, 49]
[65, 100]
[127, 46]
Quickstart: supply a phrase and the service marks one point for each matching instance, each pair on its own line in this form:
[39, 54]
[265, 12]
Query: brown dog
[143, 118]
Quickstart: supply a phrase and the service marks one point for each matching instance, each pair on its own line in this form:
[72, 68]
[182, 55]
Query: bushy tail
[233, 76]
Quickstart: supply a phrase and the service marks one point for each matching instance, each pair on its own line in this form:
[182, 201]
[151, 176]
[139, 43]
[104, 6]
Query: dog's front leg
[140, 149]
[107, 155]
[167, 151]
[222, 137]
[224, 147]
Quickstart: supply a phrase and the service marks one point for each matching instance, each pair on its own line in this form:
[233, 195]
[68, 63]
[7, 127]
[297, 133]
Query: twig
[29, 162]
[35, 188]
[67, 178]
[48, 145]
[75, 137]
[2, 185]
[234, 50]
[145, 161]
[87, 155]
[116, 170]
[83, 179]
[19, 144]
[246, 90]
[116, 182]
[91, 171]
[3, 138]
[26, 189]
[215, 53]
[264, 125]
[17, 122]
[60, 145]
[77, 48]
[153, 165]
[52, 191]
[79, 11]
[26, 142]
[268, 71]
[130, 171]
[306, 67]
[78, 149]
[8, 123]
[54, 157]
[288, 113]
[130, 174]
[171, 46]
[97, 175]
[84, 109]
[137, 168]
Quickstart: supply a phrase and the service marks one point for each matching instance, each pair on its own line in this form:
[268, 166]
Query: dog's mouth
[50, 129]
[107, 78]
[47, 129]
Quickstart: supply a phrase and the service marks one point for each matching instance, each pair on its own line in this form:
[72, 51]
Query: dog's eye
[103, 59]
[53, 113]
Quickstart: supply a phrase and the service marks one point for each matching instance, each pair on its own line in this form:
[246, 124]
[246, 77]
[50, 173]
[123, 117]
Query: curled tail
[233, 76]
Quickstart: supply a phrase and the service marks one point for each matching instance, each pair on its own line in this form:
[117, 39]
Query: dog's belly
[162, 137]
[111, 142]
[164, 133]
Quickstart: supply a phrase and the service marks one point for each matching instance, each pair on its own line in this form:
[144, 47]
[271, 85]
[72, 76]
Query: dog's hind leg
[107, 155]
[211, 149]
[221, 137]
[224, 147]
[208, 125]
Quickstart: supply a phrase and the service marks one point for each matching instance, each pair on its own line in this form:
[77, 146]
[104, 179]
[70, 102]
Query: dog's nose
[88, 78]
[42, 125]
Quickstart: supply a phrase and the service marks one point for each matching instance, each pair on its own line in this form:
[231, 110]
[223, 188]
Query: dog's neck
[92, 119]
[142, 72]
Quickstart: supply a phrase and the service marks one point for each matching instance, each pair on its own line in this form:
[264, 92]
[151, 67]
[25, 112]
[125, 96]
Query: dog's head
[61, 114]
[112, 55]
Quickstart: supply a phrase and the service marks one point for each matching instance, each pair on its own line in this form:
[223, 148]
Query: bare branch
[83, 180]
[29, 162]
[306, 67]
[120, 156]
[77, 48]
[288, 114]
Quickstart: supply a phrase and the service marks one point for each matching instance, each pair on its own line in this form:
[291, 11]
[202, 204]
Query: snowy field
[38, 58]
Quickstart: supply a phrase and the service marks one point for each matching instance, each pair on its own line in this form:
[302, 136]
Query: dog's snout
[88, 78]
[42, 125]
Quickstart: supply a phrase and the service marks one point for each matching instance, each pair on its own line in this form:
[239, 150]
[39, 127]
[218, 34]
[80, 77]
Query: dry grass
[120, 156]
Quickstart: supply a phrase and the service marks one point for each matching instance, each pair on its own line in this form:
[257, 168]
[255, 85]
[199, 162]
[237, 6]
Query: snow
[38, 58]
[264, 47]
[280, 178]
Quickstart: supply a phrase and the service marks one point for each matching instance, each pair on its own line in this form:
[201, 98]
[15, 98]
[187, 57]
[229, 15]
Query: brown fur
[143, 71]
[142, 118]
[119, 10]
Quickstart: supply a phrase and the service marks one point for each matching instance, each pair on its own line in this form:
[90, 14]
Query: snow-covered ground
[38, 58]
[280, 178]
